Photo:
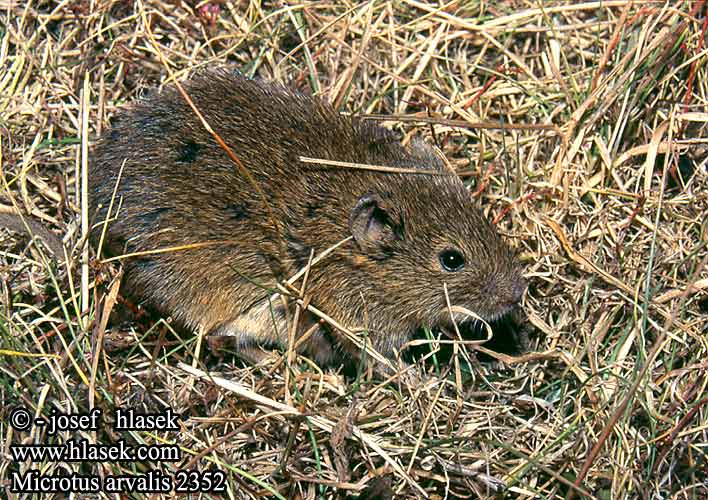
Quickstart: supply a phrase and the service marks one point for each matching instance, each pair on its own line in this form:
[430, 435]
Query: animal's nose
[507, 291]
[517, 290]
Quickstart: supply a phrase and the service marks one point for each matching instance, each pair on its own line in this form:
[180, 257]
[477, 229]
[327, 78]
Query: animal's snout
[507, 292]
[517, 289]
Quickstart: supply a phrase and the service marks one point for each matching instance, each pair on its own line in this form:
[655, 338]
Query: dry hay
[606, 194]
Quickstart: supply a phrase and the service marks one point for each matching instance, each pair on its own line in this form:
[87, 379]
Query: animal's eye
[451, 260]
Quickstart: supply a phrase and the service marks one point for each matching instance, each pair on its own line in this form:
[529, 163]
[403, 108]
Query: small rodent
[411, 233]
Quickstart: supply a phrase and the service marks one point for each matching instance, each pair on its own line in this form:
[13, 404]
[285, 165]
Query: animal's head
[426, 245]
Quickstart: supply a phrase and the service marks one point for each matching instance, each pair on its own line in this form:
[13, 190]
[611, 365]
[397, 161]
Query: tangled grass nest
[580, 127]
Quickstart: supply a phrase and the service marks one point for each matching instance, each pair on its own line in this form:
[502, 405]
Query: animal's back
[174, 166]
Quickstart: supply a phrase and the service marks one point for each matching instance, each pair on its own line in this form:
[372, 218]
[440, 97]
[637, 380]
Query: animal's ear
[372, 225]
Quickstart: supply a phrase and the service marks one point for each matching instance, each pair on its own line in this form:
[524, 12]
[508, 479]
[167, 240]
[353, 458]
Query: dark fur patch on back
[312, 207]
[149, 123]
[144, 264]
[189, 151]
[153, 216]
[237, 211]
[296, 123]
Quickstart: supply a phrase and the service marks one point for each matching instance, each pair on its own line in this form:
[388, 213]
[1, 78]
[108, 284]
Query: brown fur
[179, 187]
[18, 224]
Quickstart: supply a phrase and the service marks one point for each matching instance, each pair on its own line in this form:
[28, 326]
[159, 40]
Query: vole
[412, 232]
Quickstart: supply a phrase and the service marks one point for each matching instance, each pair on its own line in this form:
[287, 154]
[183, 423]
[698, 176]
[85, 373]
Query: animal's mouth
[510, 334]
[508, 326]
[471, 319]
[500, 315]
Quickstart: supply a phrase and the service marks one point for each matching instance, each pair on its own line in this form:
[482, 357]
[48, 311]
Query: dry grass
[607, 196]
